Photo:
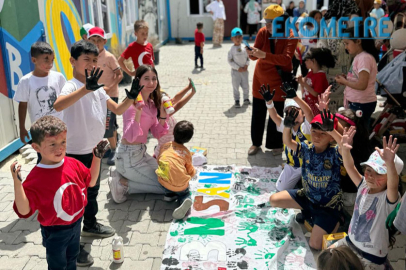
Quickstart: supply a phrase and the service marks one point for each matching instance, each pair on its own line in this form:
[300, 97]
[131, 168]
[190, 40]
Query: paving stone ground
[143, 220]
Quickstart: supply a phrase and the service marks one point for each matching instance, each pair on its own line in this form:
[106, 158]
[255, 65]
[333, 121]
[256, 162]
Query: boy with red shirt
[199, 44]
[140, 51]
[57, 188]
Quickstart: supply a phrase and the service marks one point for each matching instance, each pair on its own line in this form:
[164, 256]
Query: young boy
[321, 193]
[175, 168]
[377, 11]
[239, 61]
[199, 44]
[38, 89]
[85, 105]
[111, 77]
[84, 31]
[140, 51]
[292, 172]
[57, 188]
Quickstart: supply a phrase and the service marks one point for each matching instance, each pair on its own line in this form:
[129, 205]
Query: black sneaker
[98, 230]
[247, 102]
[196, 66]
[300, 218]
[84, 258]
[237, 104]
[170, 197]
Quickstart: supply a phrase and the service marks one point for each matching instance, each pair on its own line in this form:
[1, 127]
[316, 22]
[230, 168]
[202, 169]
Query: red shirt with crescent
[140, 54]
[58, 192]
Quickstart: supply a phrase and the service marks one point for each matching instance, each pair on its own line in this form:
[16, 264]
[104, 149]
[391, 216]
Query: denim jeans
[62, 245]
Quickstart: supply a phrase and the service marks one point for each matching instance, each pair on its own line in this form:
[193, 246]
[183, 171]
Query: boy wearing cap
[239, 61]
[199, 44]
[321, 195]
[377, 12]
[292, 171]
[111, 77]
[84, 31]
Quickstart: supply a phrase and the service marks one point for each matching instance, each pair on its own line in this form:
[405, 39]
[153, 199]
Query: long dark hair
[323, 57]
[367, 43]
[156, 96]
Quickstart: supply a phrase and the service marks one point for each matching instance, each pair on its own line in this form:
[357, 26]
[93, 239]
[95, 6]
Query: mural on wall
[148, 11]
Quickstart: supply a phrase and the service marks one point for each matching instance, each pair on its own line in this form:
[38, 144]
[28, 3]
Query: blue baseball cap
[236, 32]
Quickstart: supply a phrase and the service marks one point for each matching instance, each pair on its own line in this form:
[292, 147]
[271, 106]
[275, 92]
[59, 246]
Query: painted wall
[58, 22]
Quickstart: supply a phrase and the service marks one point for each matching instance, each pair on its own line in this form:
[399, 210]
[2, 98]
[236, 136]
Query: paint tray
[329, 239]
[199, 150]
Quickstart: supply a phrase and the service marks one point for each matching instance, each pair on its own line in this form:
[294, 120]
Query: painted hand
[266, 93]
[289, 90]
[92, 80]
[135, 89]
[15, 171]
[389, 149]
[348, 137]
[324, 100]
[101, 148]
[290, 118]
[328, 122]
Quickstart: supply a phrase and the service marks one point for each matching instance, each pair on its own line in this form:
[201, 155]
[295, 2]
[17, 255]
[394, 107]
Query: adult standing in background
[298, 11]
[272, 56]
[243, 16]
[218, 13]
[252, 8]
[290, 8]
[279, 2]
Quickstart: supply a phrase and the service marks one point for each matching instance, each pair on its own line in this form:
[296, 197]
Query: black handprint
[266, 93]
[135, 89]
[290, 118]
[91, 81]
[101, 148]
[328, 120]
[289, 90]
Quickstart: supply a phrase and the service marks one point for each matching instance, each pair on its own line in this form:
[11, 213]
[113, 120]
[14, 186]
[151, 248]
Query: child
[315, 82]
[85, 105]
[175, 168]
[292, 172]
[84, 31]
[359, 94]
[341, 258]
[239, 61]
[57, 188]
[199, 44]
[178, 101]
[377, 12]
[321, 193]
[111, 77]
[377, 197]
[38, 89]
[140, 51]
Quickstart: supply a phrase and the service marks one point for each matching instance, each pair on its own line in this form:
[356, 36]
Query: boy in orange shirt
[175, 168]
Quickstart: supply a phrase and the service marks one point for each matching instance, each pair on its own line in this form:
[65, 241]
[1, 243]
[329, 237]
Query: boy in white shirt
[37, 91]
[239, 61]
[85, 104]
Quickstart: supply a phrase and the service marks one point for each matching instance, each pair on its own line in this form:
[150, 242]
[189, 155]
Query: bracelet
[269, 106]
[162, 118]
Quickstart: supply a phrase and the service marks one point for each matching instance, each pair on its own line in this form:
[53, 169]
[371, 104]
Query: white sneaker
[117, 190]
[180, 212]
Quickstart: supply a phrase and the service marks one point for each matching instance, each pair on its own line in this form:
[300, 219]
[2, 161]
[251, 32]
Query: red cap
[317, 120]
[97, 31]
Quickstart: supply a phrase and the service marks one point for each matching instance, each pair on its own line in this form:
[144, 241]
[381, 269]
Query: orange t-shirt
[175, 167]
[109, 64]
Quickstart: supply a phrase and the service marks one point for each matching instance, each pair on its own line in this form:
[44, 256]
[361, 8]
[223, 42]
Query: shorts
[324, 217]
[111, 122]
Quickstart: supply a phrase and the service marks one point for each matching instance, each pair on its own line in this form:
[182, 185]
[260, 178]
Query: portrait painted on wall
[148, 11]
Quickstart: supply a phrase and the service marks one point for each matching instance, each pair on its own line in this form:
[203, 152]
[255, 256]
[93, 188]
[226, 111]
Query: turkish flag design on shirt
[140, 54]
[58, 192]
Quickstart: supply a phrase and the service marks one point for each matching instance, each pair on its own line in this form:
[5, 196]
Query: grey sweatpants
[240, 78]
[134, 164]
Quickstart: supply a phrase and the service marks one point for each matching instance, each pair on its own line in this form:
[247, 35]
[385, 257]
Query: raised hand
[289, 90]
[291, 115]
[101, 148]
[266, 93]
[389, 150]
[328, 122]
[15, 171]
[348, 137]
[324, 100]
[135, 89]
[92, 80]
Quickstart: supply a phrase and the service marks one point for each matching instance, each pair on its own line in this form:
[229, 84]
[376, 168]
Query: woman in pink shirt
[135, 168]
[359, 93]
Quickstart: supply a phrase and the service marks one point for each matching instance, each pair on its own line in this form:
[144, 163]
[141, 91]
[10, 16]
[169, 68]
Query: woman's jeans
[134, 164]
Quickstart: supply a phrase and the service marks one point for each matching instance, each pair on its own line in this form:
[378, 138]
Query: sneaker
[111, 160]
[253, 150]
[107, 154]
[170, 197]
[117, 190]
[196, 66]
[84, 258]
[247, 102]
[181, 211]
[277, 152]
[98, 230]
[300, 218]
[237, 104]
